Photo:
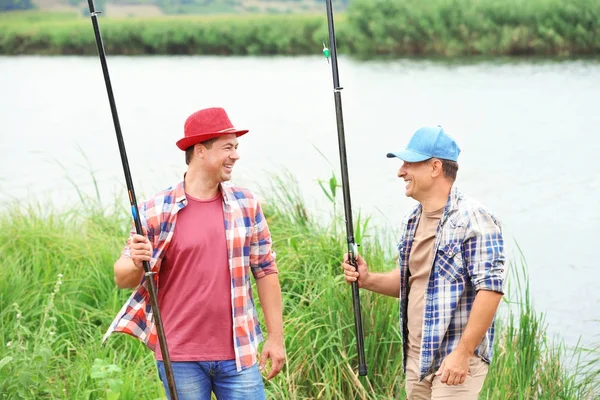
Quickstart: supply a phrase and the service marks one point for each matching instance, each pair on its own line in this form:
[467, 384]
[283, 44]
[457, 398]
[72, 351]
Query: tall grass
[368, 28]
[51, 325]
[475, 27]
[214, 35]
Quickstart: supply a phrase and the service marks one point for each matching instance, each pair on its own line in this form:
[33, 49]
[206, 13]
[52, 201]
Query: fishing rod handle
[358, 326]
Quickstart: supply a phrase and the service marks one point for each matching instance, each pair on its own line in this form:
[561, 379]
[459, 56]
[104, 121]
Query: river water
[528, 132]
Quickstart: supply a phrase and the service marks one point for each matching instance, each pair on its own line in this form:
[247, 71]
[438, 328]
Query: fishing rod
[352, 247]
[134, 207]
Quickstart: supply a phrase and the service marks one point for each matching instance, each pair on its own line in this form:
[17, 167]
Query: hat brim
[409, 156]
[186, 142]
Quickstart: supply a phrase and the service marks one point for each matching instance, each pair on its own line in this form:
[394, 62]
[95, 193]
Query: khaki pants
[431, 388]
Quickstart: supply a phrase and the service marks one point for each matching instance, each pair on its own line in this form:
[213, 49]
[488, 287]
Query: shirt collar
[226, 191]
[451, 205]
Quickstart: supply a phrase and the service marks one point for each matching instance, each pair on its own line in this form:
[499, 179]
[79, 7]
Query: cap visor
[409, 156]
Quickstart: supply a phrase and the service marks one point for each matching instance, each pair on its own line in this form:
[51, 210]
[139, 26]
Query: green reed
[398, 28]
[475, 27]
[57, 298]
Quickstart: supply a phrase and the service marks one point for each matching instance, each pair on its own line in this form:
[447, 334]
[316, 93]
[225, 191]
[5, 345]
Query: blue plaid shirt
[468, 256]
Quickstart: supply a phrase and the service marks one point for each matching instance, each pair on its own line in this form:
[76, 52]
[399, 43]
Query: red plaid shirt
[249, 248]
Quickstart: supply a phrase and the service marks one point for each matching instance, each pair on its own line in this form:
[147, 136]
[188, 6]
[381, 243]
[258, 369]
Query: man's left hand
[454, 368]
[273, 349]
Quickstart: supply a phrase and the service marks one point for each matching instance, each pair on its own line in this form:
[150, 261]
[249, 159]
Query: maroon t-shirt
[194, 296]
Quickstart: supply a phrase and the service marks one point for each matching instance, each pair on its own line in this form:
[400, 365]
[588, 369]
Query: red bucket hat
[206, 124]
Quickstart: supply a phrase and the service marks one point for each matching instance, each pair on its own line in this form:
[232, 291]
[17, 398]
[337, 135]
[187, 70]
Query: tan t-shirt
[420, 262]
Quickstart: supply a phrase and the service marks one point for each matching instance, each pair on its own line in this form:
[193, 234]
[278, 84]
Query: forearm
[482, 314]
[269, 293]
[126, 274]
[387, 283]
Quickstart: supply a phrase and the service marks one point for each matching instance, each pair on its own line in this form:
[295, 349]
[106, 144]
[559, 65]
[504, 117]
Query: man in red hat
[205, 237]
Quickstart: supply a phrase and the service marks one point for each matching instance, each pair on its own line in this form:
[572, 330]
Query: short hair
[189, 152]
[450, 168]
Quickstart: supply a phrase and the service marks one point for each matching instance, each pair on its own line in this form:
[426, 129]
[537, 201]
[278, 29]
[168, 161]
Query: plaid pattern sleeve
[262, 257]
[484, 252]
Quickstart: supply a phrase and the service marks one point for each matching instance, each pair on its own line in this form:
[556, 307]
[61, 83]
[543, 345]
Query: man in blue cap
[450, 277]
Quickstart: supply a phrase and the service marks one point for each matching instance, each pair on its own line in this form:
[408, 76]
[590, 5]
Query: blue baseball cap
[426, 143]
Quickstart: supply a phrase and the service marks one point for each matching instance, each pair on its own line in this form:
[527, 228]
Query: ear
[199, 150]
[436, 168]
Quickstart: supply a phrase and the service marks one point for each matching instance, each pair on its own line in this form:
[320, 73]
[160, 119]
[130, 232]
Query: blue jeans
[195, 380]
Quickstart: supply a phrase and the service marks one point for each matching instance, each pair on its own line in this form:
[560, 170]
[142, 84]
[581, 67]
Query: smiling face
[419, 177]
[219, 157]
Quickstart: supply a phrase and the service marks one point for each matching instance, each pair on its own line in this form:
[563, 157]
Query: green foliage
[105, 374]
[473, 27]
[30, 350]
[371, 27]
[248, 35]
[51, 326]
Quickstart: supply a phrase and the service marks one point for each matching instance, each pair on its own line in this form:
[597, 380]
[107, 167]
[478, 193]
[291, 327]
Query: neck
[199, 186]
[436, 199]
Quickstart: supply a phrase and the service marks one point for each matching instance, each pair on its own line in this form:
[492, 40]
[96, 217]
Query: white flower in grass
[8, 344]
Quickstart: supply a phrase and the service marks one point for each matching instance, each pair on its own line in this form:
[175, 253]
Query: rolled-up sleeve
[262, 256]
[484, 252]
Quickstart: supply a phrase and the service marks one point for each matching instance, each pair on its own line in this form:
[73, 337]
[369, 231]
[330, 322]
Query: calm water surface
[528, 131]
